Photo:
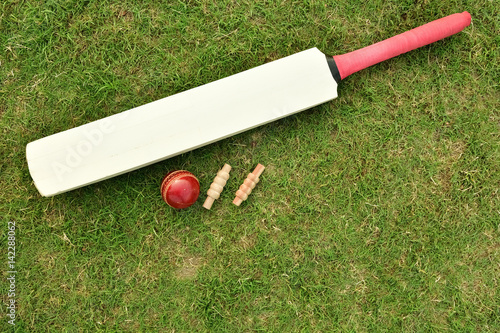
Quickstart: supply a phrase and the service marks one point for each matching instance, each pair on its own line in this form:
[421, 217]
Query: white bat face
[179, 123]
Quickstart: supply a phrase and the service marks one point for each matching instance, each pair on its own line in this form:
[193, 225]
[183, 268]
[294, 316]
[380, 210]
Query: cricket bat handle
[355, 61]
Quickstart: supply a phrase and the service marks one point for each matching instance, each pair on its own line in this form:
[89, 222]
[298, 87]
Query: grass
[378, 211]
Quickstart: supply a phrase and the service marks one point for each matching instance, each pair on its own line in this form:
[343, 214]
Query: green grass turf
[378, 211]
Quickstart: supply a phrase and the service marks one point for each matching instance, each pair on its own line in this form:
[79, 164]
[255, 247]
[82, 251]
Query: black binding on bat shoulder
[333, 68]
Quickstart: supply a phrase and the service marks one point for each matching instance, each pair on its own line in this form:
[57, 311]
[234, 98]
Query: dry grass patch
[189, 268]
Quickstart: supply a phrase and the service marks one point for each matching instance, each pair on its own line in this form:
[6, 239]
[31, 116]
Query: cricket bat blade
[173, 125]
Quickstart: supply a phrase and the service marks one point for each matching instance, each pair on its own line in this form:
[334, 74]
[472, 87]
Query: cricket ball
[180, 189]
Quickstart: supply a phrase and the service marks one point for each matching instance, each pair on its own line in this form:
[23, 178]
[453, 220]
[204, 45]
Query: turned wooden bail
[248, 185]
[217, 186]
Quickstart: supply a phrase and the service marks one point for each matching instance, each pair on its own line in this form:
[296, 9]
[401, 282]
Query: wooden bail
[248, 185]
[217, 186]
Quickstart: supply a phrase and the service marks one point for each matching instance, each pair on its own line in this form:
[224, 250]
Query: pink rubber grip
[355, 61]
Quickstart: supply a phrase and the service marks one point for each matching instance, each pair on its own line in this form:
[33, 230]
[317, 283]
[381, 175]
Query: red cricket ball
[180, 189]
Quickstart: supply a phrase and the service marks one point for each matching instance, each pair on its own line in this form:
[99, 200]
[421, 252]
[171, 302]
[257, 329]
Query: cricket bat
[197, 117]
